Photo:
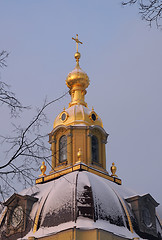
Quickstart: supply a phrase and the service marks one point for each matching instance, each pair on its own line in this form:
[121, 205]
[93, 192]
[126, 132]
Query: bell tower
[78, 138]
[77, 130]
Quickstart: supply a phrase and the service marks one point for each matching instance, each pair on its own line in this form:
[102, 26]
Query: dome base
[78, 166]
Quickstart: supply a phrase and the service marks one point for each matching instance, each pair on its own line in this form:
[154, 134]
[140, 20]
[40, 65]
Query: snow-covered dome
[80, 200]
[83, 200]
[80, 194]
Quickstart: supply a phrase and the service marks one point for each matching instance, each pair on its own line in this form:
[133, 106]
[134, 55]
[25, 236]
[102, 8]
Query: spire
[77, 54]
[77, 80]
[77, 41]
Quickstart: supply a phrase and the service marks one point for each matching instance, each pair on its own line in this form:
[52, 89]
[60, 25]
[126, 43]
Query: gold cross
[77, 41]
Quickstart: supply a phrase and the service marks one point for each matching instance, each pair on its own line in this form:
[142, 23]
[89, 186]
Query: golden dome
[77, 81]
[77, 78]
[78, 112]
[78, 115]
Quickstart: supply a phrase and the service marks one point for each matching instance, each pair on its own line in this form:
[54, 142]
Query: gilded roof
[78, 115]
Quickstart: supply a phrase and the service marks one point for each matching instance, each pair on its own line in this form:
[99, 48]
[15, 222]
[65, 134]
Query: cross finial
[77, 41]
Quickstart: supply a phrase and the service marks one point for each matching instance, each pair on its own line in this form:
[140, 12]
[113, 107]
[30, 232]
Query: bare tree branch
[7, 97]
[150, 10]
[3, 56]
[26, 150]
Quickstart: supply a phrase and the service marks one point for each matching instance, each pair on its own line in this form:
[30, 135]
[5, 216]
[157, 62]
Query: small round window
[147, 217]
[93, 116]
[63, 116]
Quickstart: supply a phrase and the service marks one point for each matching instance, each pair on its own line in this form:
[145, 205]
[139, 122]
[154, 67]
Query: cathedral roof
[83, 200]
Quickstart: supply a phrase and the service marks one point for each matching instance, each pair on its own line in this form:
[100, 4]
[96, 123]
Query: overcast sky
[123, 59]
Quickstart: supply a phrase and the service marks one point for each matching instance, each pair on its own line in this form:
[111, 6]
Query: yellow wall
[78, 137]
[78, 234]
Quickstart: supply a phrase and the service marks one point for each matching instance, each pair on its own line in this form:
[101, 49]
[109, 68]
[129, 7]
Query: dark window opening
[63, 117]
[63, 149]
[93, 117]
[95, 149]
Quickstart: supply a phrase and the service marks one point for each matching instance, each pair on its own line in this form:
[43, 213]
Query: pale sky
[123, 59]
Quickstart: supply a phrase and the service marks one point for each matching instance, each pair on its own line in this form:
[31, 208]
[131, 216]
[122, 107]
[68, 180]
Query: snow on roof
[85, 224]
[95, 199]
[80, 199]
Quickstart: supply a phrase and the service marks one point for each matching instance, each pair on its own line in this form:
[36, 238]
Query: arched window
[95, 149]
[63, 149]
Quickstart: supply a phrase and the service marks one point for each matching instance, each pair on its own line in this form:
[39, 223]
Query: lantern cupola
[78, 138]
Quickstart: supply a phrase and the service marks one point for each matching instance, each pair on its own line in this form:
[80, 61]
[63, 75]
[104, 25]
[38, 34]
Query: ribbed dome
[81, 200]
[77, 196]
[78, 114]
